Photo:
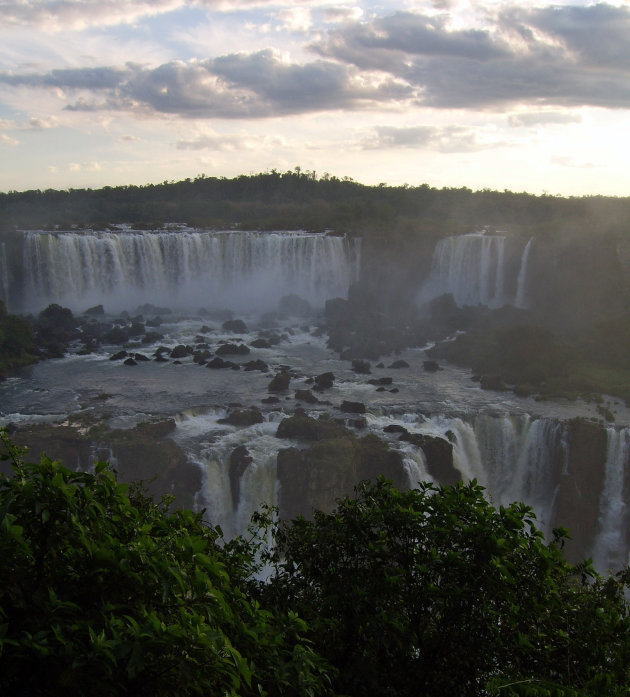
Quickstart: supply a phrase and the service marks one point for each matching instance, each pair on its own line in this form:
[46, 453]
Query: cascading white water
[516, 457]
[185, 268]
[521, 281]
[611, 549]
[471, 267]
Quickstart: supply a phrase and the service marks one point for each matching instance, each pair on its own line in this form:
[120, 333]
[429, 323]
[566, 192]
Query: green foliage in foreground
[435, 592]
[103, 592]
[426, 593]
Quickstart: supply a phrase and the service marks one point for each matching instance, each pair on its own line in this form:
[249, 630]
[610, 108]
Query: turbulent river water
[518, 448]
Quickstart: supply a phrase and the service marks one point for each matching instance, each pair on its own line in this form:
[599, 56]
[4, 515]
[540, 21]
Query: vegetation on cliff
[17, 342]
[430, 591]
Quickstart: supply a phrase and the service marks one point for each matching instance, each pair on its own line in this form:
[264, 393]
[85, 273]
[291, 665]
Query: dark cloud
[234, 86]
[558, 56]
[540, 57]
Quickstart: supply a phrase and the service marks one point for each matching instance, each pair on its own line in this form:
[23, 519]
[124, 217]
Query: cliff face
[144, 453]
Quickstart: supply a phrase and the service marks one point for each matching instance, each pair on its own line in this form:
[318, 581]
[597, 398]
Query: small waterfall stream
[521, 282]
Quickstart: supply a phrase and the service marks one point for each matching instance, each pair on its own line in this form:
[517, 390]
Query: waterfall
[611, 547]
[515, 457]
[521, 281]
[471, 267]
[185, 268]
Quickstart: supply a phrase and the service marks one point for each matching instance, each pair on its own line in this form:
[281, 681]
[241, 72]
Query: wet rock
[217, 363]
[431, 366]
[240, 459]
[396, 365]
[324, 381]
[270, 400]
[152, 337]
[256, 365]
[243, 417]
[439, 456]
[260, 344]
[361, 366]
[136, 329]
[395, 428]
[358, 422]
[95, 311]
[129, 361]
[353, 407]
[306, 396]
[305, 427]
[236, 326]
[280, 382]
[232, 350]
[294, 306]
[380, 381]
[118, 356]
[181, 351]
[140, 357]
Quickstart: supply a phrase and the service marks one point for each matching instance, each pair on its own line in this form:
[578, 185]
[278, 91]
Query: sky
[526, 96]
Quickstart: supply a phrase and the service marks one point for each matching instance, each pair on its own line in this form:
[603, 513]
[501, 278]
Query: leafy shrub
[104, 592]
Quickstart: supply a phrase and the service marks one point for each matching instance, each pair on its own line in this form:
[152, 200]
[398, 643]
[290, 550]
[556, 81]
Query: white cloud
[295, 19]
[7, 140]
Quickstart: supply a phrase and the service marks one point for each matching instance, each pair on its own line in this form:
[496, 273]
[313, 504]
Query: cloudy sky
[529, 97]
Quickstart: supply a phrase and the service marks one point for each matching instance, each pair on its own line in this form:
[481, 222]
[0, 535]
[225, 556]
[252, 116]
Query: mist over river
[518, 448]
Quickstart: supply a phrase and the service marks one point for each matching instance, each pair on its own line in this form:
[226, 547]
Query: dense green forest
[300, 199]
[428, 592]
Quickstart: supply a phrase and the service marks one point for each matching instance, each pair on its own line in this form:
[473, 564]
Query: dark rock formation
[240, 460]
[306, 396]
[324, 381]
[439, 456]
[243, 417]
[236, 326]
[399, 364]
[256, 365]
[361, 366]
[181, 351]
[353, 407]
[431, 366]
[280, 382]
[294, 306]
[232, 350]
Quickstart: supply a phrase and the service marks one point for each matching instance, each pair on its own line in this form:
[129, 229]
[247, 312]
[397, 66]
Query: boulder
[118, 356]
[431, 366]
[243, 417]
[95, 311]
[361, 366]
[217, 363]
[353, 407]
[129, 361]
[260, 343]
[324, 381]
[181, 351]
[306, 396]
[232, 350]
[256, 365]
[396, 365]
[280, 382]
[293, 306]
